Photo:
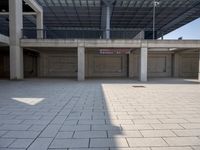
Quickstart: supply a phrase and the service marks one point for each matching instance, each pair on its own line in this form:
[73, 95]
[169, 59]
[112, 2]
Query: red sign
[114, 51]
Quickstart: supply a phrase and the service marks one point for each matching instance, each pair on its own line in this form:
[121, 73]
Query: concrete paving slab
[100, 114]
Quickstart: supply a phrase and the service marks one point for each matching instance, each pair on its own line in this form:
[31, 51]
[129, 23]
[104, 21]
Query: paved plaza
[106, 114]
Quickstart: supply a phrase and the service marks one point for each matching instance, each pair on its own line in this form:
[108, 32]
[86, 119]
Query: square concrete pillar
[105, 20]
[39, 16]
[81, 63]
[108, 22]
[39, 25]
[176, 59]
[131, 65]
[199, 67]
[16, 52]
[143, 64]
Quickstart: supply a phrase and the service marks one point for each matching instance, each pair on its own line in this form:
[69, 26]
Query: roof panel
[126, 13]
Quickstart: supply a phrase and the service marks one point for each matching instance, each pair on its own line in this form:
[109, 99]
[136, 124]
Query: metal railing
[30, 33]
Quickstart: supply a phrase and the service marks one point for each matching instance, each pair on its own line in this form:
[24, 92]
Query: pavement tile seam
[120, 112]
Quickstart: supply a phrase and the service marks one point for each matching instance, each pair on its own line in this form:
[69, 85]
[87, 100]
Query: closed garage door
[159, 65]
[107, 66]
[189, 65]
[62, 66]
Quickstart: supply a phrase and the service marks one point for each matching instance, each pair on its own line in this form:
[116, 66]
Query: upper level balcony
[87, 33]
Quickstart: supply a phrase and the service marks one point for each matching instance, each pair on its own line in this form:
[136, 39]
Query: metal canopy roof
[126, 14]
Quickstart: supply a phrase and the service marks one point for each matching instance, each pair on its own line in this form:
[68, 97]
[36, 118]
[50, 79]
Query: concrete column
[199, 67]
[176, 59]
[131, 66]
[81, 63]
[108, 22]
[143, 64]
[39, 25]
[16, 52]
[39, 16]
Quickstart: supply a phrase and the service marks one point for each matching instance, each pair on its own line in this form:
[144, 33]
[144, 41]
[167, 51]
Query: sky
[188, 31]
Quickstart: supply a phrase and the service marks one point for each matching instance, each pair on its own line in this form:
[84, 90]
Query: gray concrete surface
[143, 64]
[104, 114]
[16, 51]
[81, 63]
[102, 43]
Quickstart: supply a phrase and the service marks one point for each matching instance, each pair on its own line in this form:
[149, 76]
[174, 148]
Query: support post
[176, 60]
[143, 64]
[39, 25]
[81, 63]
[130, 66]
[106, 12]
[15, 27]
[108, 22]
[39, 16]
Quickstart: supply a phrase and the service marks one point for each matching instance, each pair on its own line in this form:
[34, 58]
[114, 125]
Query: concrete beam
[34, 5]
[143, 64]
[101, 43]
[75, 43]
[81, 63]
[177, 50]
[4, 39]
[48, 43]
[39, 16]
[173, 43]
[24, 13]
[16, 52]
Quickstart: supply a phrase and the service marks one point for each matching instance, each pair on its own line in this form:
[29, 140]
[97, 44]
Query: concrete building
[96, 38]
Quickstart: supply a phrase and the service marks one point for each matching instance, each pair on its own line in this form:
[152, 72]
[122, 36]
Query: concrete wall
[188, 64]
[56, 63]
[63, 63]
[98, 65]
[159, 64]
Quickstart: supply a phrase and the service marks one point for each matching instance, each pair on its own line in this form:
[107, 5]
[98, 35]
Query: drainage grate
[139, 86]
